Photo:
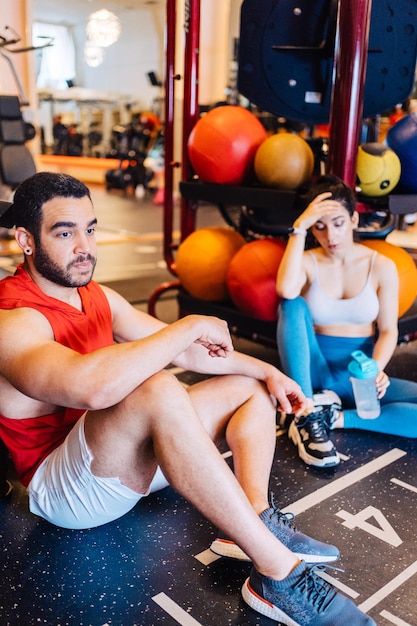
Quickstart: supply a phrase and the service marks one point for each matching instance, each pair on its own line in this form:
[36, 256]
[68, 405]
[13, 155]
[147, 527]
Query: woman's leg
[302, 360]
[398, 411]
[298, 350]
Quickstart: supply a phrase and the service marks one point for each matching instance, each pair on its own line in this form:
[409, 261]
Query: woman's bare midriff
[345, 330]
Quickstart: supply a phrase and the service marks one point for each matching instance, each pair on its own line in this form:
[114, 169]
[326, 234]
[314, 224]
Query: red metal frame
[170, 78]
[190, 116]
[351, 50]
[190, 111]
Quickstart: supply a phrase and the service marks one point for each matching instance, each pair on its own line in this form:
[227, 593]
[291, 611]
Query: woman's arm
[291, 276]
[292, 271]
[387, 321]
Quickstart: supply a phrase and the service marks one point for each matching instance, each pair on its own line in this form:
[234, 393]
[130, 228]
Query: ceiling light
[103, 28]
[93, 55]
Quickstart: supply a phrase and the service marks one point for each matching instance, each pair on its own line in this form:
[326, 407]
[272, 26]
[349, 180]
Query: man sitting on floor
[94, 421]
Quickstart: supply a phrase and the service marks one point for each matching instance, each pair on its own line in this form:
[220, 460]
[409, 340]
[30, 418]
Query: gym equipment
[402, 138]
[203, 260]
[350, 51]
[16, 161]
[130, 173]
[251, 278]
[223, 143]
[407, 271]
[378, 169]
[286, 56]
[285, 161]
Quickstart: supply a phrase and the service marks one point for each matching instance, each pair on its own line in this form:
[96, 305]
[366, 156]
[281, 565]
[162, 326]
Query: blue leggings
[318, 362]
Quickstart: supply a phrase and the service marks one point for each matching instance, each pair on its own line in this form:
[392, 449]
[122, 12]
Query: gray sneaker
[282, 526]
[302, 599]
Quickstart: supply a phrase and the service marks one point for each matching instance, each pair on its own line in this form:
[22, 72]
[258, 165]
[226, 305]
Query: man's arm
[130, 324]
[40, 368]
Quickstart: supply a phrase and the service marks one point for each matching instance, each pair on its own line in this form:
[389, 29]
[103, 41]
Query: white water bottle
[364, 371]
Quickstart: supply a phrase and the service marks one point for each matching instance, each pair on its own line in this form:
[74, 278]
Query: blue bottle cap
[362, 366]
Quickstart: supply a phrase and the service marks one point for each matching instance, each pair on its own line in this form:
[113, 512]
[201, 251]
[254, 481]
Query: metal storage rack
[345, 124]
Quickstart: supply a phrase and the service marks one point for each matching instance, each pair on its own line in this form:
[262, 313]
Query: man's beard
[55, 274]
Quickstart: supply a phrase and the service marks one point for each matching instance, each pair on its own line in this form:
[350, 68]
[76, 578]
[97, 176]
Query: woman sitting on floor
[336, 298]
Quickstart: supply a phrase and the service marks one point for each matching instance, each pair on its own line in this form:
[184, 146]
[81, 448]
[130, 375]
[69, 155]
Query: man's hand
[215, 337]
[290, 398]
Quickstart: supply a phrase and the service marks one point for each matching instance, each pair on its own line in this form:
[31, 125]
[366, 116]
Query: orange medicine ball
[406, 268]
[203, 260]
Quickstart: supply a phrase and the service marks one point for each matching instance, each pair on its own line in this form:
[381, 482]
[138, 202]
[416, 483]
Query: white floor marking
[405, 485]
[299, 506]
[207, 557]
[385, 591]
[393, 619]
[341, 586]
[379, 526]
[175, 611]
[343, 457]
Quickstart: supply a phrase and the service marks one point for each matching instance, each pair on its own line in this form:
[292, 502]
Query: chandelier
[93, 54]
[103, 28]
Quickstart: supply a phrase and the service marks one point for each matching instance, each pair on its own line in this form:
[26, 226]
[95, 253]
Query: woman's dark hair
[32, 194]
[339, 190]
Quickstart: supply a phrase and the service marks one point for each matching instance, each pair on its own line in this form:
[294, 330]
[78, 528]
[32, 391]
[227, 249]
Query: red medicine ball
[251, 278]
[223, 143]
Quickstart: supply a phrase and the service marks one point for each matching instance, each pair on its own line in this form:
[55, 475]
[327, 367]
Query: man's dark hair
[339, 190]
[32, 194]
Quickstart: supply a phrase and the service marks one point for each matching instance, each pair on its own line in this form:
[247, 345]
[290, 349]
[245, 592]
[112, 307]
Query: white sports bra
[325, 310]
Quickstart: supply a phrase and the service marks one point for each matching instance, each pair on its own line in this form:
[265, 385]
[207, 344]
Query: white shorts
[64, 491]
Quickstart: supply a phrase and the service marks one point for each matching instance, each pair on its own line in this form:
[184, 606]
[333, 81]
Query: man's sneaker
[310, 435]
[282, 526]
[331, 404]
[302, 599]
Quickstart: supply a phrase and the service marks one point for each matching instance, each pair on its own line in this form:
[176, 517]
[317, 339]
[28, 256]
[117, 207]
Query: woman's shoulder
[382, 265]
[366, 251]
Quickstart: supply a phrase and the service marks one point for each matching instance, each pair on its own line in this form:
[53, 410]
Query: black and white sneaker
[331, 404]
[326, 400]
[310, 435]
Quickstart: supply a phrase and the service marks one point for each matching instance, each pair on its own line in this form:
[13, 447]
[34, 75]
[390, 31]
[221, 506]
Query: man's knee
[152, 392]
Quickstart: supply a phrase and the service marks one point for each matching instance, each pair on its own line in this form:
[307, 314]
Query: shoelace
[330, 414]
[318, 591]
[285, 518]
[317, 429]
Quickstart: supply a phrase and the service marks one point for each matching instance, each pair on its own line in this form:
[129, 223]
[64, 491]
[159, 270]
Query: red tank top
[29, 441]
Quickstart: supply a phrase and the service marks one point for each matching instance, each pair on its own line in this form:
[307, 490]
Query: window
[56, 63]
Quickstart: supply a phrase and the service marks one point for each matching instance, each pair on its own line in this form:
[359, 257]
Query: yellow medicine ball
[378, 169]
